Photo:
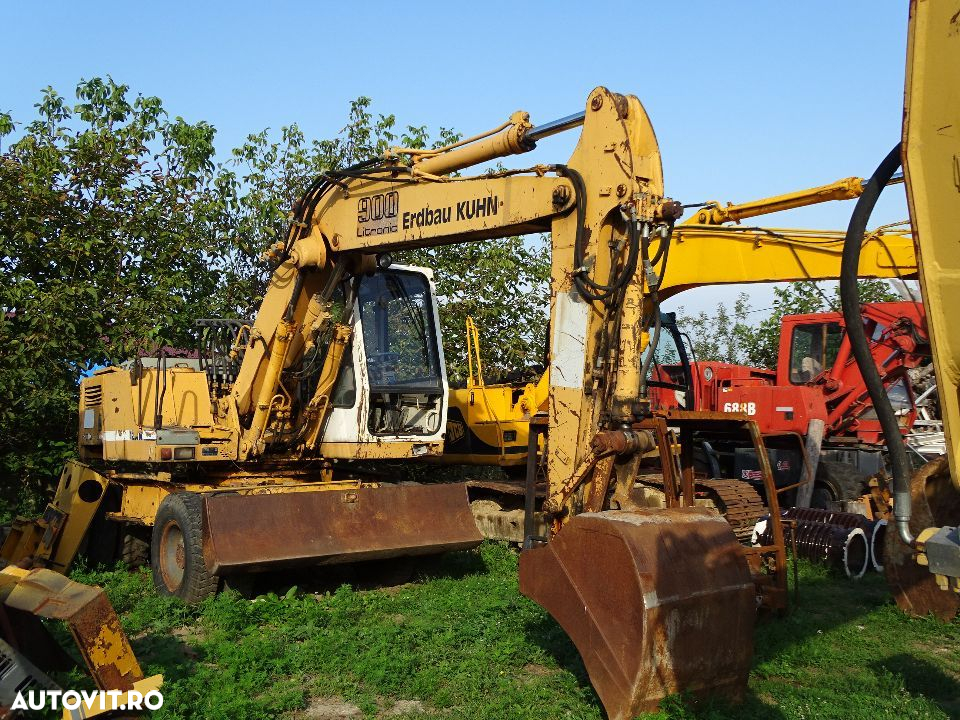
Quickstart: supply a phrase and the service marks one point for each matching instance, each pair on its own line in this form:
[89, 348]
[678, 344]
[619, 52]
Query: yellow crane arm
[723, 254]
[713, 213]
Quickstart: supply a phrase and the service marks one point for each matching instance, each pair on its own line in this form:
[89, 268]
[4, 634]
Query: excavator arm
[600, 208]
[715, 213]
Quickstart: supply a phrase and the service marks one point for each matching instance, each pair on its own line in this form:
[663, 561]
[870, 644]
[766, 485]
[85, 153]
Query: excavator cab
[392, 378]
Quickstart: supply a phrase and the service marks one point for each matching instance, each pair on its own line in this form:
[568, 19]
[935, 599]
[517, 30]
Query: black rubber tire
[135, 547]
[176, 549]
[836, 482]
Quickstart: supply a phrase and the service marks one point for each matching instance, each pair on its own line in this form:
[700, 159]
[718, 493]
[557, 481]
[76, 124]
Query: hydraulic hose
[850, 299]
[588, 288]
[654, 341]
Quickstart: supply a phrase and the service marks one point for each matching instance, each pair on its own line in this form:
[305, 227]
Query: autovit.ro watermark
[84, 703]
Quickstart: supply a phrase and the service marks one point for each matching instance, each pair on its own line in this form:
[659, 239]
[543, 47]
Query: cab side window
[813, 349]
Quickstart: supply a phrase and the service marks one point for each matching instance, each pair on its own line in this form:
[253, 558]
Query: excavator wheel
[657, 601]
[176, 549]
[837, 481]
[935, 503]
[135, 546]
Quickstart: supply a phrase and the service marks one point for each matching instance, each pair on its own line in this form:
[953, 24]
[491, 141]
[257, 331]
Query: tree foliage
[721, 336]
[108, 244]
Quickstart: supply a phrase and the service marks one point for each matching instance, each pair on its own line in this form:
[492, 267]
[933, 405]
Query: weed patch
[460, 641]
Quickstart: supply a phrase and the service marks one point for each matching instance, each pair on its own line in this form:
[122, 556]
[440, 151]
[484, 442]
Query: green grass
[461, 642]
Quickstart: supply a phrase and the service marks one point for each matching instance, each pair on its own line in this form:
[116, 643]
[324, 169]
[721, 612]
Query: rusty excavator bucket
[272, 531]
[656, 601]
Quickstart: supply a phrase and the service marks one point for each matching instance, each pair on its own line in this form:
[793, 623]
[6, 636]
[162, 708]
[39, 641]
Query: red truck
[816, 379]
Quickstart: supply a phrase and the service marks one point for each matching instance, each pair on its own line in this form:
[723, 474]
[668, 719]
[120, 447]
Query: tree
[109, 244]
[722, 336]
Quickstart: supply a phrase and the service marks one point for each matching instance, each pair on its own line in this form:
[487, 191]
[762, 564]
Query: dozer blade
[272, 531]
[656, 601]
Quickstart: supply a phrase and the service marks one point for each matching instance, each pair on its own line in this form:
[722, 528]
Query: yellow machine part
[931, 163]
[41, 593]
[53, 540]
[490, 423]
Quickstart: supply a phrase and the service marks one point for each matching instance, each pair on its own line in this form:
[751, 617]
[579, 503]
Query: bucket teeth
[656, 601]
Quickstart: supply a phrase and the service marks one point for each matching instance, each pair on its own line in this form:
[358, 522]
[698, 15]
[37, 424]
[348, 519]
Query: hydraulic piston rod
[555, 126]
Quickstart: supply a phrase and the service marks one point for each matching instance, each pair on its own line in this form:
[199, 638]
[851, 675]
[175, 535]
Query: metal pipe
[878, 545]
[842, 547]
[556, 126]
[874, 530]
[828, 517]
[925, 394]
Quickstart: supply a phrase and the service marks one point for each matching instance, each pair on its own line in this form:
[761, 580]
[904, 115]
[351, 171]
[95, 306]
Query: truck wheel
[835, 482]
[176, 549]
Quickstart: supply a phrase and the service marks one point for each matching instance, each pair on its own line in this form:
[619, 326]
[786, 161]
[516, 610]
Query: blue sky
[748, 98]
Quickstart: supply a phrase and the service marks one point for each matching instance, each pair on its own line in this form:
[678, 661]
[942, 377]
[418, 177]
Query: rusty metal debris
[874, 530]
[738, 502]
[935, 504]
[682, 584]
[32, 594]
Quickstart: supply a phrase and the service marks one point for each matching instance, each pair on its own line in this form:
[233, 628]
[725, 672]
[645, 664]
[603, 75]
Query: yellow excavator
[259, 456]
